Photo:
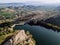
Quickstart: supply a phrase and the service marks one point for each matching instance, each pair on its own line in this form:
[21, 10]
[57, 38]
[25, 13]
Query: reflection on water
[42, 35]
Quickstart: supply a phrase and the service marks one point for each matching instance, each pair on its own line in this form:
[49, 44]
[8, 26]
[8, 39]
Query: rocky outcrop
[20, 38]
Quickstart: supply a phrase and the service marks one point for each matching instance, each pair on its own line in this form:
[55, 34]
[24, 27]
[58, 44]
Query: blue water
[42, 35]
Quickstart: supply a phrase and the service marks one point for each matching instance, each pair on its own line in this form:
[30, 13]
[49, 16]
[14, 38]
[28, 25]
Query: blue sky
[42, 1]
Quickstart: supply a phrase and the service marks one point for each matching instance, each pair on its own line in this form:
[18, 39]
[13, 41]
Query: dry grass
[3, 37]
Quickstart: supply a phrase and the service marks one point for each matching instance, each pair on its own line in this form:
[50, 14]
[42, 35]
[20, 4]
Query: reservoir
[43, 36]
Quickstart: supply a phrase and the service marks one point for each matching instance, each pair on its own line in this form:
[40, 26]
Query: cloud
[8, 1]
[43, 1]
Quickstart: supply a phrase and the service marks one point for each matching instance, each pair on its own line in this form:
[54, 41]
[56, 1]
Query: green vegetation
[53, 26]
[5, 14]
[24, 13]
[3, 37]
[4, 33]
[6, 36]
[5, 30]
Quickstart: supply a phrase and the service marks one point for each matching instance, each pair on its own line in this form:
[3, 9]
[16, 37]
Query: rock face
[20, 38]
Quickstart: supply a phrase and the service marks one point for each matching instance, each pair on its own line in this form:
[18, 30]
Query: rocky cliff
[20, 38]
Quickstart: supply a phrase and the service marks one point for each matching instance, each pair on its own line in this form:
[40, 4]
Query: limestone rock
[20, 38]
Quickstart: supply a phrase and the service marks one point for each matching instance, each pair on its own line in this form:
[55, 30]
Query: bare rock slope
[20, 38]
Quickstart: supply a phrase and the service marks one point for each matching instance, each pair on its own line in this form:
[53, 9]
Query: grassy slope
[3, 37]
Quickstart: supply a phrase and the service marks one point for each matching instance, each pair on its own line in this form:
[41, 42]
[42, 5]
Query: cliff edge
[20, 38]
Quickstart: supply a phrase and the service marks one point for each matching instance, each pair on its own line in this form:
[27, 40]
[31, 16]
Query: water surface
[42, 35]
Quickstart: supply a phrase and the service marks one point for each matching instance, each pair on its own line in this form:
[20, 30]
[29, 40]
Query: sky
[41, 1]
